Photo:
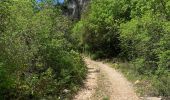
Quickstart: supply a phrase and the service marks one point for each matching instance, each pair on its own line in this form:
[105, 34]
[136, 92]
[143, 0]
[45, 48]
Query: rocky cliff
[74, 8]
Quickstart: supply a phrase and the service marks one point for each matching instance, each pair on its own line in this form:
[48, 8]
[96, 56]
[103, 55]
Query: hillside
[43, 43]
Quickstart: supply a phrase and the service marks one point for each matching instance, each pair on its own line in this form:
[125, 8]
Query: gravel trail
[105, 83]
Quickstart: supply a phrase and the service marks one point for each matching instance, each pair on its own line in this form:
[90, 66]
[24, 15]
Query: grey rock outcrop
[75, 8]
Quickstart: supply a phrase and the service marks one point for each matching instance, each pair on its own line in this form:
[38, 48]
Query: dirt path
[105, 83]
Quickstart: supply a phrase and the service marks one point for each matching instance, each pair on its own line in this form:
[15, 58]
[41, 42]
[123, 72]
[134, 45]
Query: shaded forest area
[40, 47]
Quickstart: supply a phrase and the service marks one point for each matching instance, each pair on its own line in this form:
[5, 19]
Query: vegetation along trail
[42, 43]
[105, 83]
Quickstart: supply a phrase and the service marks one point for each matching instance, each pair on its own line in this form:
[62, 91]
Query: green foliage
[106, 98]
[37, 60]
[135, 30]
[37, 57]
[97, 32]
[145, 42]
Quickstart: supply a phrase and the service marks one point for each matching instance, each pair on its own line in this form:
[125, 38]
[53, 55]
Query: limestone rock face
[76, 7]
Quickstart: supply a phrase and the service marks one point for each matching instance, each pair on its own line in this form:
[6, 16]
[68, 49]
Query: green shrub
[161, 84]
[37, 57]
[144, 41]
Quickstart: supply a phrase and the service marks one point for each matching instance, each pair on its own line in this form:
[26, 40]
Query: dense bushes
[98, 31]
[135, 30]
[36, 57]
[144, 41]
[143, 46]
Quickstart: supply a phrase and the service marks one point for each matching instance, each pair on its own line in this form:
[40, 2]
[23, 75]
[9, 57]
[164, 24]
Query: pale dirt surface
[105, 82]
[90, 83]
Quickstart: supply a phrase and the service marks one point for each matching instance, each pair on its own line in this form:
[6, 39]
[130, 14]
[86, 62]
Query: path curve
[105, 82]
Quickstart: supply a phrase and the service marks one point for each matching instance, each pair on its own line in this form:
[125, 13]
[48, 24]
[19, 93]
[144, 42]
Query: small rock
[150, 98]
[137, 82]
[153, 98]
[66, 91]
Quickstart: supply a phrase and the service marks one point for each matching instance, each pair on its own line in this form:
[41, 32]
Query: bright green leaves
[145, 42]
[98, 31]
[157, 7]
